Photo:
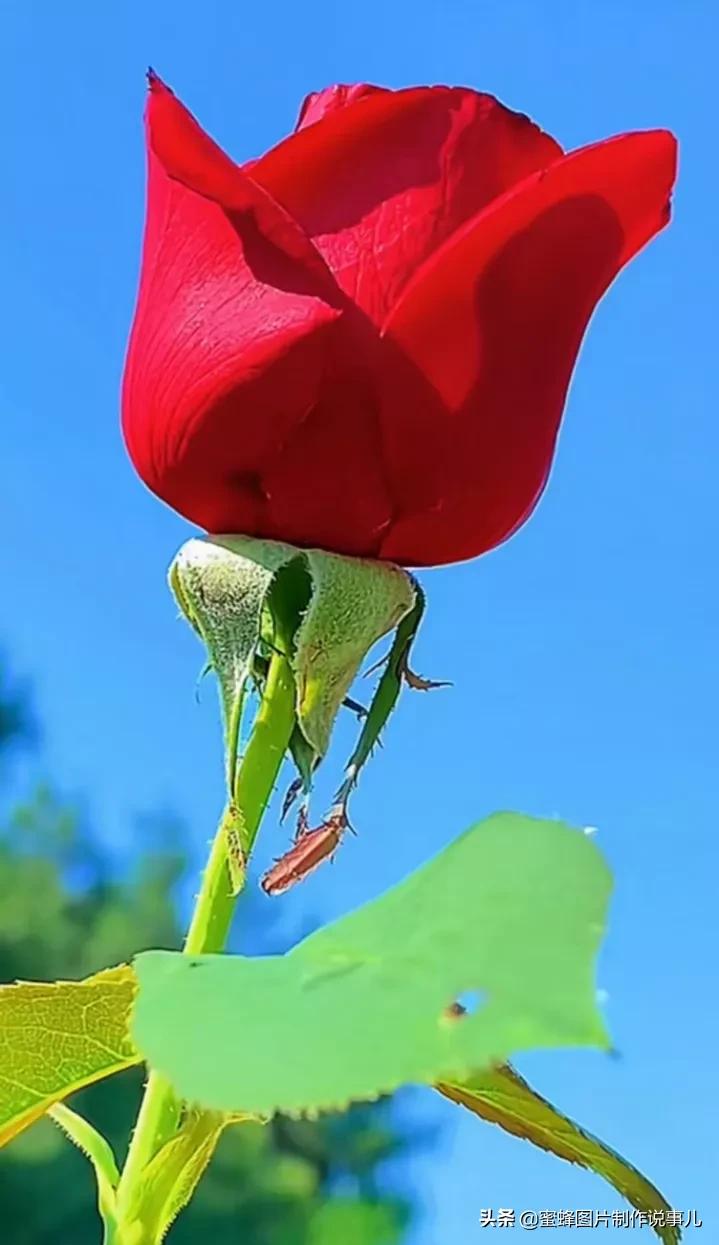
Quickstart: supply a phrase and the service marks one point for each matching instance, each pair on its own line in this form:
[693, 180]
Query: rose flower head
[362, 341]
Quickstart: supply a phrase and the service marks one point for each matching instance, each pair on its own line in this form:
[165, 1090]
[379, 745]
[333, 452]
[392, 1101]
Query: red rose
[363, 340]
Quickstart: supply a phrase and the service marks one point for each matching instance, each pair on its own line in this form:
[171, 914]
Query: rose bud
[362, 341]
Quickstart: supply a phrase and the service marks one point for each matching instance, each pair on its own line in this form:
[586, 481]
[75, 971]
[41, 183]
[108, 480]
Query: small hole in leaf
[466, 1004]
[470, 1001]
[455, 1011]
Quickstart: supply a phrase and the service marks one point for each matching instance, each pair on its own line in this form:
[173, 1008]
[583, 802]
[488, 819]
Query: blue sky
[583, 652]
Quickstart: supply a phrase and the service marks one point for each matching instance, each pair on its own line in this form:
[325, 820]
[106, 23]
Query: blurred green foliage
[66, 910]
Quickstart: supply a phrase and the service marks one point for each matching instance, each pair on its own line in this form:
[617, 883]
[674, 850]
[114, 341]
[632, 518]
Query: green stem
[253, 786]
[255, 778]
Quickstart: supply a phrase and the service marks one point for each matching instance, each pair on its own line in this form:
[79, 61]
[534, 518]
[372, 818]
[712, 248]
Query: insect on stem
[309, 851]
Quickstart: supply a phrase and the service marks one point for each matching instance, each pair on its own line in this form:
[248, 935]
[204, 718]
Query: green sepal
[353, 604]
[245, 596]
[304, 757]
[386, 692]
[223, 598]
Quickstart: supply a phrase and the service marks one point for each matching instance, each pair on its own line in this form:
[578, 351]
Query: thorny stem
[254, 780]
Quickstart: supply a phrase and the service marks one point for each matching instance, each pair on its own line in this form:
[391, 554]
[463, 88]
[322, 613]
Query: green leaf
[515, 909]
[501, 1096]
[56, 1037]
[98, 1150]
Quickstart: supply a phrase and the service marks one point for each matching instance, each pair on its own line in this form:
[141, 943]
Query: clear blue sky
[583, 653]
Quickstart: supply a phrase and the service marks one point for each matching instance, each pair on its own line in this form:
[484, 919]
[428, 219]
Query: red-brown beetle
[310, 849]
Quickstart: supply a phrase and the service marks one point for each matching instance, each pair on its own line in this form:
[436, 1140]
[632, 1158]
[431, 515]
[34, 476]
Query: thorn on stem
[419, 684]
[355, 707]
[290, 796]
[382, 662]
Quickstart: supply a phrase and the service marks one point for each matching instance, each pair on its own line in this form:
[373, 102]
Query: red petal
[190, 156]
[381, 181]
[183, 148]
[320, 103]
[493, 323]
[238, 333]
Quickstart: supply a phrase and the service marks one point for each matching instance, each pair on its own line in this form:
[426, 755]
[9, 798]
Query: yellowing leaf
[501, 1096]
[56, 1037]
